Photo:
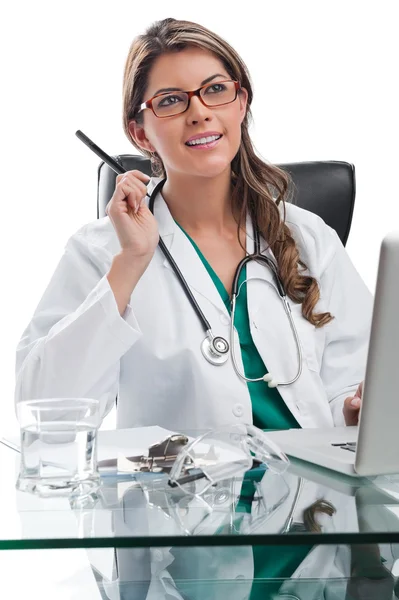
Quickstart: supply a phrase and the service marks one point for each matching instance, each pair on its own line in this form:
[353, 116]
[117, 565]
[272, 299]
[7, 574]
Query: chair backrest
[326, 188]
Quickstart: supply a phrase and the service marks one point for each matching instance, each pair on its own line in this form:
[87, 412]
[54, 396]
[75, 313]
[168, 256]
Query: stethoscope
[216, 348]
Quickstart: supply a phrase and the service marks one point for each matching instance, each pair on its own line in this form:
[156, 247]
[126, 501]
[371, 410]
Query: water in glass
[59, 446]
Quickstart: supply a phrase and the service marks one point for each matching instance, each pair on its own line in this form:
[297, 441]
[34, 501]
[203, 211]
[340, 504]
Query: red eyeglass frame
[148, 103]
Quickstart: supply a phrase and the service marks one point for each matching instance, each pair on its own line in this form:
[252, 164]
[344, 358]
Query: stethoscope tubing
[205, 323]
[294, 331]
[257, 256]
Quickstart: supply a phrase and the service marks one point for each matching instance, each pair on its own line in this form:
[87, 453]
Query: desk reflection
[261, 504]
[305, 502]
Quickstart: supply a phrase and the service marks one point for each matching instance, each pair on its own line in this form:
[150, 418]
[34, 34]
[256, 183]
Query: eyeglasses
[221, 454]
[176, 102]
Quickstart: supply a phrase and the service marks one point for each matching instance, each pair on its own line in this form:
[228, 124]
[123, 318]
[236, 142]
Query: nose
[197, 111]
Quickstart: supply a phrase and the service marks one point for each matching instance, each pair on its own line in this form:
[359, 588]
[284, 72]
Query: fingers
[356, 400]
[130, 191]
[351, 413]
[133, 193]
[134, 174]
[352, 406]
[130, 181]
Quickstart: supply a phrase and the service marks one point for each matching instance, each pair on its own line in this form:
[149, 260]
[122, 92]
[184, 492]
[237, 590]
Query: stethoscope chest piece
[215, 350]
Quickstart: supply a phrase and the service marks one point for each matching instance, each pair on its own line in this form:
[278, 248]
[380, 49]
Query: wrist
[123, 276]
[133, 262]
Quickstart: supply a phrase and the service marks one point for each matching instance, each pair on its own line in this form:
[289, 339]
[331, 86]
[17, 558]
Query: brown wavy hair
[259, 187]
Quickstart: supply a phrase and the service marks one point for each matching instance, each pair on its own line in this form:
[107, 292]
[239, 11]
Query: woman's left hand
[352, 407]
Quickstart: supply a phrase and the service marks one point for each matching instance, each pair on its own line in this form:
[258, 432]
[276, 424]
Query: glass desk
[313, 534]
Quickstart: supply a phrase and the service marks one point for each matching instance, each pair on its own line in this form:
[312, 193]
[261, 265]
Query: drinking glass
[59, 446]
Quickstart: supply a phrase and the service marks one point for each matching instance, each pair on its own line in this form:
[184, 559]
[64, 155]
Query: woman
[115, 321]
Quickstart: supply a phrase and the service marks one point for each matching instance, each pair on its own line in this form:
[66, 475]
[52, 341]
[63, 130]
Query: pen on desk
[194, 475]
[10, 445]
[110, 476]
[116, 475]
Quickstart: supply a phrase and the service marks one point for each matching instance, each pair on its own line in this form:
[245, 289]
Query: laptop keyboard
[351, 446]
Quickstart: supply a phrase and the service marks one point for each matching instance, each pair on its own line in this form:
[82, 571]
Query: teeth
[207, 140]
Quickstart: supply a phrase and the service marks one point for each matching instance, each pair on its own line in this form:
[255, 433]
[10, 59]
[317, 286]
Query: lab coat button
[238, 410]
[224, 319]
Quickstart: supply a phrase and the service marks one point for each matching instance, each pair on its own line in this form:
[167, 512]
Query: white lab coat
[77, 344]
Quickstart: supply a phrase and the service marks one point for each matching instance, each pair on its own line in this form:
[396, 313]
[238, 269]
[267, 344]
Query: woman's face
[187, 70]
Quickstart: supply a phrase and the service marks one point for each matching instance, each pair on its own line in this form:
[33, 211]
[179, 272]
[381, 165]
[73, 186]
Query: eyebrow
[177, 89]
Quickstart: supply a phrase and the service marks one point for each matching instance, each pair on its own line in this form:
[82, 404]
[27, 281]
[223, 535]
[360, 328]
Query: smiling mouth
[205, 142]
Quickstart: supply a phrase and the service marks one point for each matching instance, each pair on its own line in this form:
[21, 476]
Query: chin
[212, 168]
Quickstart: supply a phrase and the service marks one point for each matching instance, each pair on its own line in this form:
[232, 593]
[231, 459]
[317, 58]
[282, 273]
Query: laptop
[372, 447]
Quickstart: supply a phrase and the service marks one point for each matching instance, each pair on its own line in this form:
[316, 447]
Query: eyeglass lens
[176, 102]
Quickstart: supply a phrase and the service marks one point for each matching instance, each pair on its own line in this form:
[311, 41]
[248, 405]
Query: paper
[128, 442]
[117, 444]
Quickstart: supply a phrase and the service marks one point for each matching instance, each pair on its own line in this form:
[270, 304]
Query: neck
[201, 204]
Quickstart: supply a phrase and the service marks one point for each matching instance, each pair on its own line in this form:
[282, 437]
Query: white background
[325, 84]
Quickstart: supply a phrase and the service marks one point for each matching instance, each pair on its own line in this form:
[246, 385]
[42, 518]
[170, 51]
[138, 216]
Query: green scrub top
[269, 412]
[268, 408]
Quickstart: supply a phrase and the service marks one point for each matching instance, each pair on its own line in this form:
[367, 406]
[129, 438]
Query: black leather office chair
[326, 188]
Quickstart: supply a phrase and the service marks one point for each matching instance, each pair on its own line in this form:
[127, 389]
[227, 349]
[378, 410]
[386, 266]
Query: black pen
[194, 475]
[105, 157]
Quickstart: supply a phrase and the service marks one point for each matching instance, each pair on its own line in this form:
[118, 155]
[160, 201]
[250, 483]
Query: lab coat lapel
[185, 256]
[273, 336]
[194, 271]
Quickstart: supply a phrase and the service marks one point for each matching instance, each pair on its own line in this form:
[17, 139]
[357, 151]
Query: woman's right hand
[134, 223]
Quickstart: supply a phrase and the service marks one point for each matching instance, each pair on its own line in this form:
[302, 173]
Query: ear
[138, 134]
[243, 99]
